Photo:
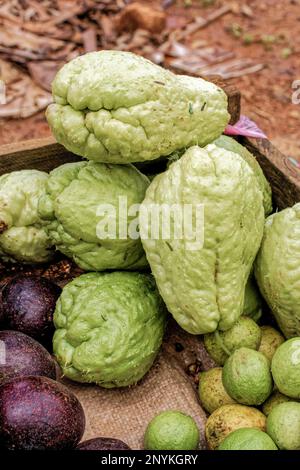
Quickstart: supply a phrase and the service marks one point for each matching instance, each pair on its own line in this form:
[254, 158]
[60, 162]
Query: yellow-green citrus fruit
[171, 430]
[248, 439]
[283, 425]
[274, 400]
[212, 393]
[271, 339]
[286, 368]
[221, 344]
[228, 418]
[246, 377]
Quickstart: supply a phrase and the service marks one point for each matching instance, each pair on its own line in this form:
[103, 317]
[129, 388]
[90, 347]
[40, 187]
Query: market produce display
[235, 280]
[109, 328]
[75, 194]
[204, 288]
[22, 234]
[277, 268]
[117, 107]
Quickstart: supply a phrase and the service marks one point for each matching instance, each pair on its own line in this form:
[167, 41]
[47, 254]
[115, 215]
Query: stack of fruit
[120, 112]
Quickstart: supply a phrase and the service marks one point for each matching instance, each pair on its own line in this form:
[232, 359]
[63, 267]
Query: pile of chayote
[115, 109]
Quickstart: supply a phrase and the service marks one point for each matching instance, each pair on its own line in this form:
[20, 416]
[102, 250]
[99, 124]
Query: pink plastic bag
[245, 127]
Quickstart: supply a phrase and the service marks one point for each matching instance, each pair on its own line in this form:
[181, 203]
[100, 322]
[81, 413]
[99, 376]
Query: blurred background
[253, 44]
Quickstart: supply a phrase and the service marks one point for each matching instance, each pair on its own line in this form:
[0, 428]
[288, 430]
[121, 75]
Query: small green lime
[271, 339]
[212, 393]
[283, 425]
[220, 344]
[171, 430]
[286, 368]
[274, 400]
[247, 378]
[248, 439]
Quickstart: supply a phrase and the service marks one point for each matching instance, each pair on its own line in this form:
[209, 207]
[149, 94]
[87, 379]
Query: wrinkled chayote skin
[232, 145]
[204, 288]
[109, 328]
[74, 193]
[117, 107]
[253, 301]
[277, 268]
[22, 235]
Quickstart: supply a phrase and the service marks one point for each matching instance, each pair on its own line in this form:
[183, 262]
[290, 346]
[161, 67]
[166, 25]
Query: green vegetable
[246, 377]
[117, 107]
[283, 425]
[75, 192]
[232, 145]
[221, 344]
[253, 300]
[172, 430]
[286, 368]
[248, 439]
[204, 286]
[109, 328]
[22, 234]
[277, 268]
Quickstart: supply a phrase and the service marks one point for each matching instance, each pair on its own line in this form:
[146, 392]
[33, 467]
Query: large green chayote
[118, 107]
[232, 145]
[22, 235]
[81, 196]
[277, 268]
[109, 328]
[204, 287]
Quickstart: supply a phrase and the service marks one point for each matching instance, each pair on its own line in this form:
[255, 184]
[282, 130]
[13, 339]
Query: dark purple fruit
[103, 443]
[37, 413]
[28, 306]
[21, 355]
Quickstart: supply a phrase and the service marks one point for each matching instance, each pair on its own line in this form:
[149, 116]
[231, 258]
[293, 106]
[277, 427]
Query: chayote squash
[118, 107]
[22, 233]
[204, 288]
[109, 328]
[232, 145]
[74, 194]
[253, 300]
[277, 268]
